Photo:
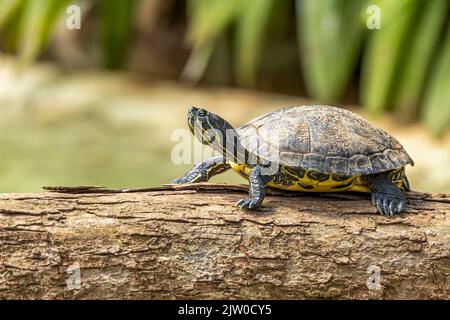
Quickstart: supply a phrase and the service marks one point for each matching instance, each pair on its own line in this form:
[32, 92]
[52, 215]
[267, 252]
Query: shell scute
[380, 162]
[294, 159]
[313, 161]
[336, 164]
[359, 164]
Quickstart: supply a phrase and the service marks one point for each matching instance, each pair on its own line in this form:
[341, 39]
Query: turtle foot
[389, 204]
[249, 204]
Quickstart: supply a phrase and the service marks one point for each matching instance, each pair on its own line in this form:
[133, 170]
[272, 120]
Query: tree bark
[192, 242]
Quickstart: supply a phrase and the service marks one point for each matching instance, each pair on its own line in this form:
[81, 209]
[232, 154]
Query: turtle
[309, 148]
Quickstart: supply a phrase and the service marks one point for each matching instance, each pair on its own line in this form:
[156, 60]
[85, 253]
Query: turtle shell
[323, 138]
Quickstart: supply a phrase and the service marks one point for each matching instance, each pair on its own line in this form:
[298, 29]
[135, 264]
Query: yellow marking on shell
[355, 183]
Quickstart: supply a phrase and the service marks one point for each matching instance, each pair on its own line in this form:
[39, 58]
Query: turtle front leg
[203, 171]
[386, 196]
[257, 189]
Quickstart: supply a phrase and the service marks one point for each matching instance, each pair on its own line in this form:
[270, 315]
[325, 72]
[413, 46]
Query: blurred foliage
[29, 23]
[116, 21]
[333, 40]
[424, 38]
[330, 38]
[383, 53]
[402, 67]
[436, 105]
[27, 26]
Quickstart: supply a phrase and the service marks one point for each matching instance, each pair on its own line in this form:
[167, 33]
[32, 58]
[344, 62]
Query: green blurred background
[98, 105]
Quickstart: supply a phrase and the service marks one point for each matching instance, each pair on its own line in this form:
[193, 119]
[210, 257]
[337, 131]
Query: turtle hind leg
[257, 189]
[203, 171]
[400, 179]
[386, 196]
[405, 183]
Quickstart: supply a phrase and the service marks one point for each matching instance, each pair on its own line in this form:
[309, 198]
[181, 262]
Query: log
[191, 242]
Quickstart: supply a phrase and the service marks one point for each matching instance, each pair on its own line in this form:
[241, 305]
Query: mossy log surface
[182, 242]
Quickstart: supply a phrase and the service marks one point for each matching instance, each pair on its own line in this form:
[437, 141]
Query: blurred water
[110, 130]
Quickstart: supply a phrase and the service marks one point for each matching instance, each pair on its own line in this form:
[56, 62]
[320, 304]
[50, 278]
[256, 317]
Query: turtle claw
[248, 204]
[190, 177]
[182, 180]
[177, 181]
[388, 204]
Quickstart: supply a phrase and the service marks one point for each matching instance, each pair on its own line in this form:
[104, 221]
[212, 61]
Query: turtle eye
[202, 113]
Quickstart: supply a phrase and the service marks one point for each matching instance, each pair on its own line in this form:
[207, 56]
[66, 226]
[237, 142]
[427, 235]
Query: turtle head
[209, 128]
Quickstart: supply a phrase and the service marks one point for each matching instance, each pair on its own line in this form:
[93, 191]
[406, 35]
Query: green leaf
[436, 112]
[249, 39]
[384, 52]
[207, 22]
[330, 36]
[208, 19]
[36, 25]
[10, 24]
[7, 9]
[116, 20]
[416, 60]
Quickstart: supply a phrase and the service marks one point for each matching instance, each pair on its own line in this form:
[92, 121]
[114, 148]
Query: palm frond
[436, 111]
[416, 60]
[249, 39]
[384, 52]
[116, 21]
[330, 34]
[36, 25]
